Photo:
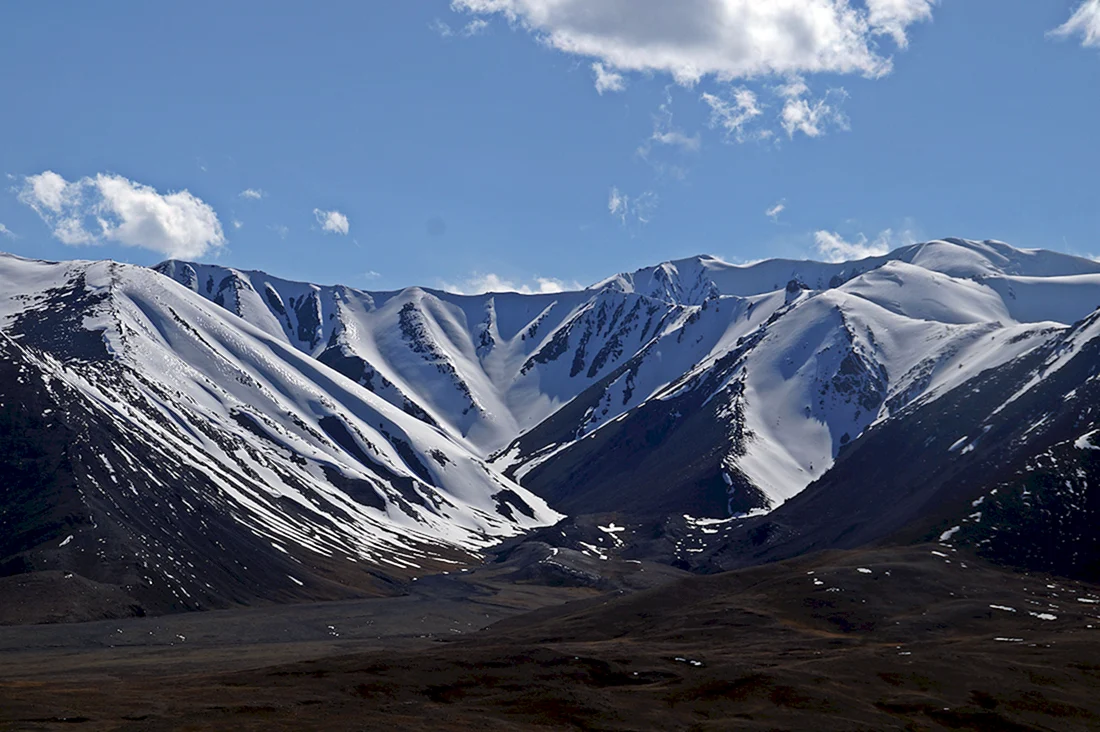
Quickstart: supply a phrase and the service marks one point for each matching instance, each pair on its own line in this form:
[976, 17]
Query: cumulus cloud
[94, 210]
[773, 211]
[638, 208]
[734, 42]
[607, 80]
[727, 39]
[1084, 22]
[892, 17]
[332, 222]
[5, 231]
[477, 284]
[834, 248]
[254, 194]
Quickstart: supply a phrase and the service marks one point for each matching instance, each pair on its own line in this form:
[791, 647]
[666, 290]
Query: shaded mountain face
[1006, 465]
[151, 440]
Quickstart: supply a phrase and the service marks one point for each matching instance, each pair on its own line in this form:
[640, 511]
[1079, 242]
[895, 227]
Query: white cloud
[733, 115]
[475, 27]
[332, 222]
[625, 208]
[1085, 22]
[834, 248]
[253, 193]
[477, 284]
[727, 39]
[774, 211]
[113, 208]
[811, 117]
[5, 231]
[281, 230]
[607, 80]
[679, 139]
[617, 203]
[46, 190]
[892, 17]
[237, 223]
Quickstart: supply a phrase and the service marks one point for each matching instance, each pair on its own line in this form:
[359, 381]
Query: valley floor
[915, 638]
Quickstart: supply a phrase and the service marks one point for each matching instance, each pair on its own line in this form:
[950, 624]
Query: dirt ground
[918, 638]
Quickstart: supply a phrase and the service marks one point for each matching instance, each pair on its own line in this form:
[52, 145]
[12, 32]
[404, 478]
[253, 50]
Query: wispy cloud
[238, 224]
[665, 133]
[733, 115]
[475, 27]
[254, 194]
[5, 231]
[478, 283]
[811, 117]
[773, 211]
[1085, 22]
[332, 222]
[111, 208]
[281, 230]
[626, 208]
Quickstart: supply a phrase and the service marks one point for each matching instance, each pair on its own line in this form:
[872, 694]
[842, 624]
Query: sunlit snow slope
[692, 384]
[195, 442]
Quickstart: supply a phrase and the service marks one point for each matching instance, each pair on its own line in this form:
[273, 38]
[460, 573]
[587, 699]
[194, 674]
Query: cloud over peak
[111, 208]
[834, 248]
[478, 284]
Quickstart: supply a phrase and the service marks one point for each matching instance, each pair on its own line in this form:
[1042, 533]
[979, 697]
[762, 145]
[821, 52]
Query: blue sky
[540, 143]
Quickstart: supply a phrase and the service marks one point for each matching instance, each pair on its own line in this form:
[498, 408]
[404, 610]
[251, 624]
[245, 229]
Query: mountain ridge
[368, 437]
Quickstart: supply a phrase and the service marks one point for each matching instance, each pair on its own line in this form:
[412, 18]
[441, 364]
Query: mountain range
[193, 436]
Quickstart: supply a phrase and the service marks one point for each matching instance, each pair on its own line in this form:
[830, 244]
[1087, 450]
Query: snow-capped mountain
[770, 367]
[170, 426]
[226, 448]
[1008, 465]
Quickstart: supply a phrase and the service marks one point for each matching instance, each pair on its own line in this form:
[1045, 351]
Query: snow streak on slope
[306, 457]
[483, 368]
[828, 360]
[808, 354]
